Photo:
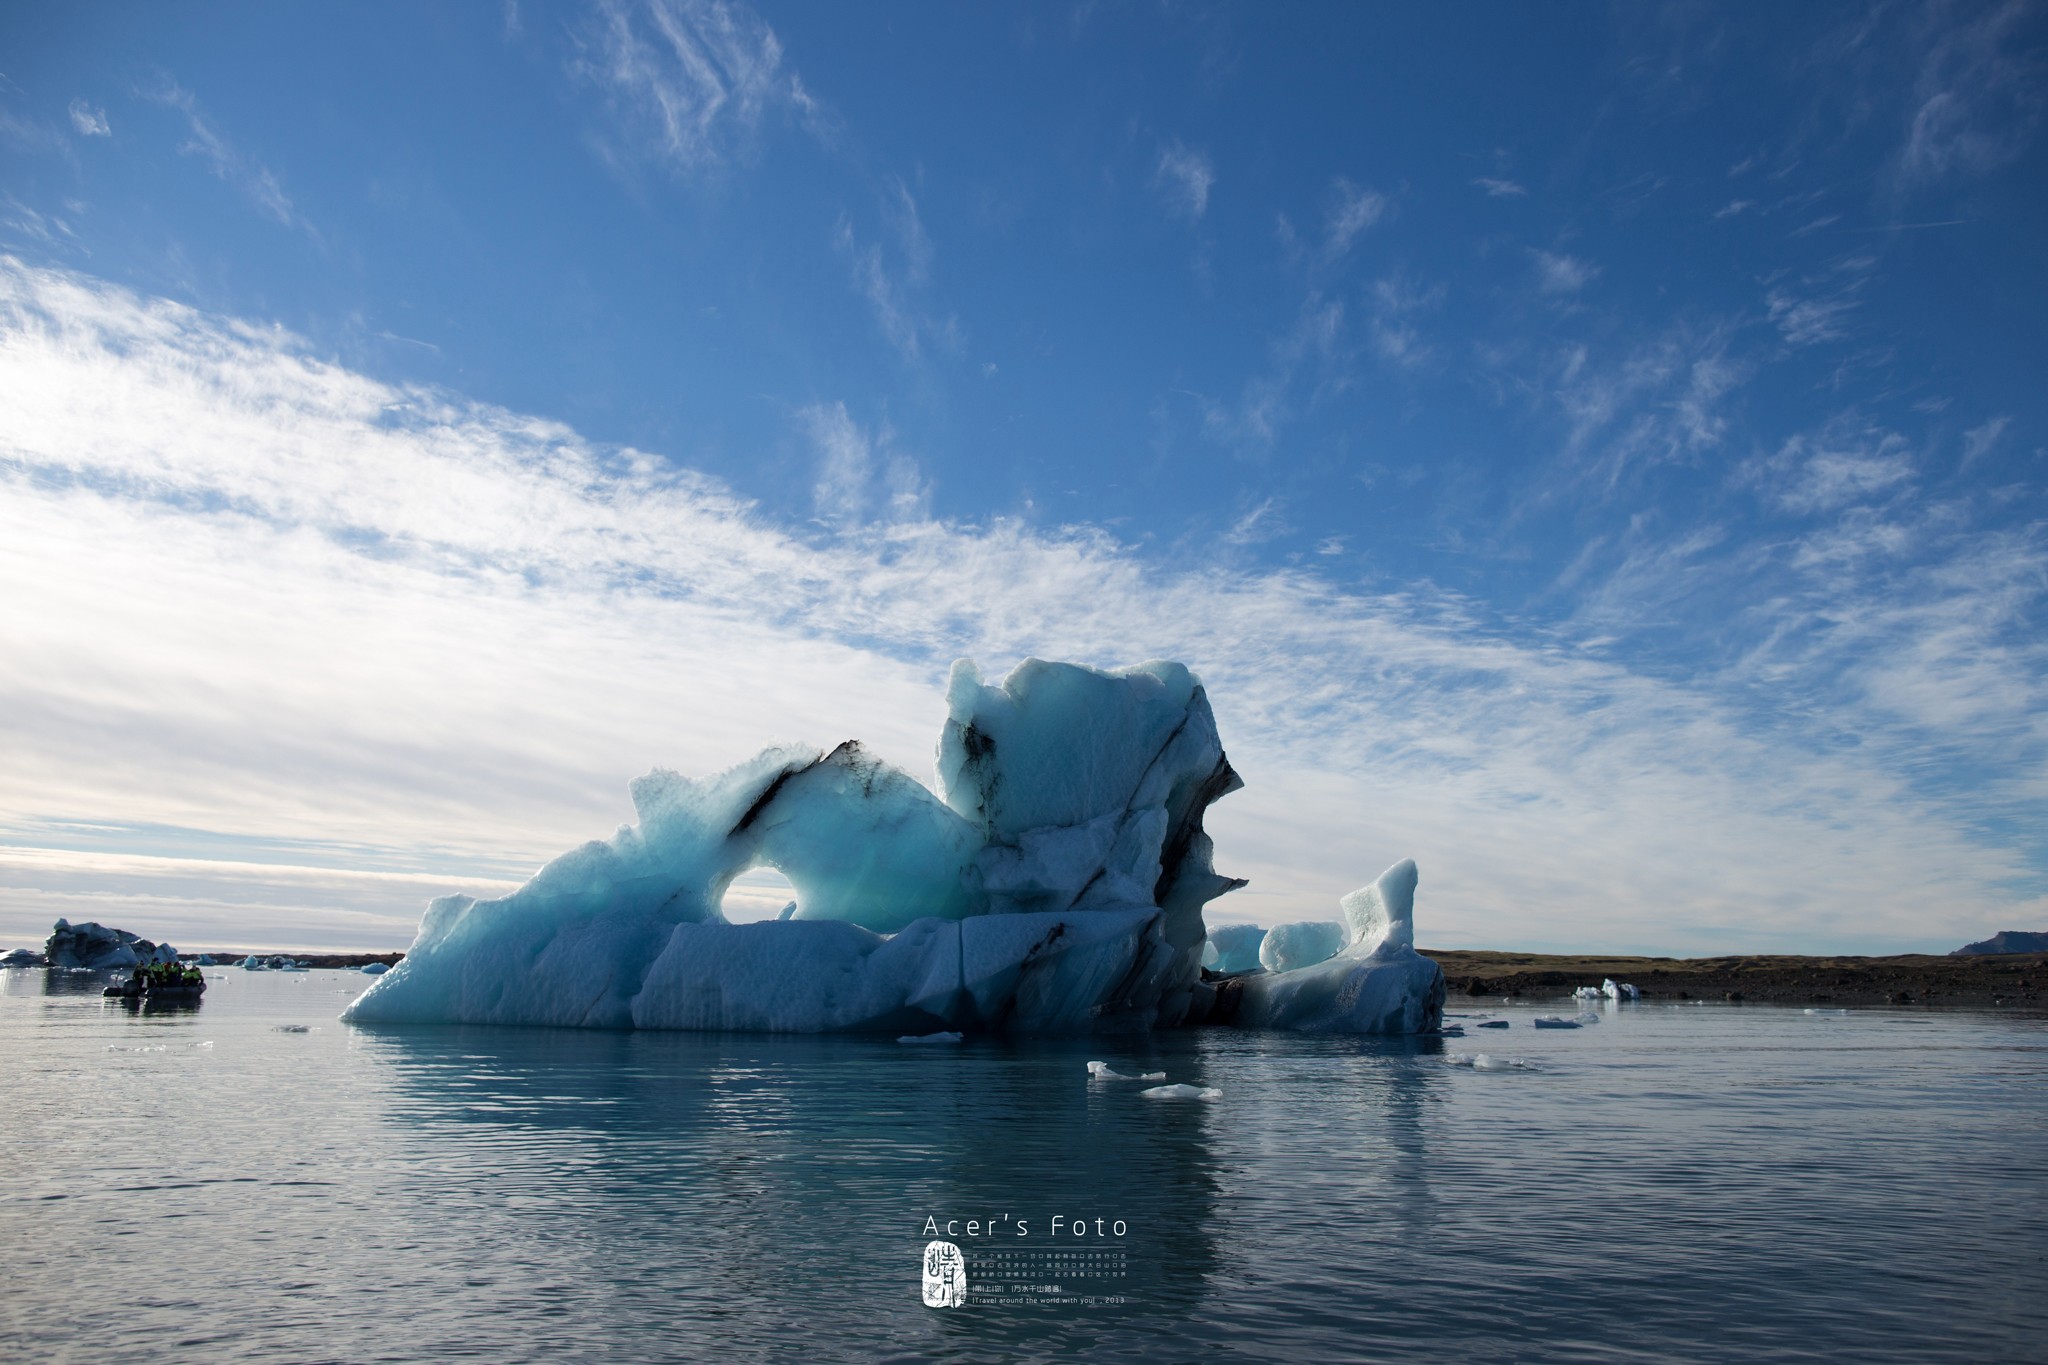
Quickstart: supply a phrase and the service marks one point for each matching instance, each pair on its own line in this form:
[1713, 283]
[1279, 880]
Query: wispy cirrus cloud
[859, 473]
[1977, 99]
[689, 82]
[251, 593]
[227, 162]
[1184, 177]
[90, 122]
[1559, 274]
[893, 273]
[1500, 189]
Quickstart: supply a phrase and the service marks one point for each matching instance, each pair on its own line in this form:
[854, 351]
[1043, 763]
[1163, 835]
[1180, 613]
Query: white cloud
[1977, 99]
[894, 278]
[226, 161]
[857, 472]
[1500, 189]
[1557, 273]
[1844, 466]
[1978, 440]
[1809, 321]
[255, 596]
[1308, 355]
[1731, 208]
[1185, 176]
[689, 81]
[1352, 211]
[89, 122]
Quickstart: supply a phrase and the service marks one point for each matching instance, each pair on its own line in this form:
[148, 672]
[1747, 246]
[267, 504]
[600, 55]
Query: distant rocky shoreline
[2005, 979]
[1978, 979]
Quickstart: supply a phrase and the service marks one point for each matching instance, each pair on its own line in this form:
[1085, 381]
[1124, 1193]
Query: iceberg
[1054, 882]
[94, 947]
[1182, 1092]
[1375, 983]
[23, 957]
[1233, 948]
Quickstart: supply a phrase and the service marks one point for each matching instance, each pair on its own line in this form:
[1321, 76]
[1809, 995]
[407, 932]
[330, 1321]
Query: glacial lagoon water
[253, 1180]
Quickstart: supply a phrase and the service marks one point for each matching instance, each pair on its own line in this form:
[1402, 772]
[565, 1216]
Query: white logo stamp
[945, 1275]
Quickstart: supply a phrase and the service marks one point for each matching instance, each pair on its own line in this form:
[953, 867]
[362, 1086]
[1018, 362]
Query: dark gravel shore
[2017, 980]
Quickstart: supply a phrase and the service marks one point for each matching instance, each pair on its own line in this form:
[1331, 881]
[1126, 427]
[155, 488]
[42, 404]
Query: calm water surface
[1703, 1183]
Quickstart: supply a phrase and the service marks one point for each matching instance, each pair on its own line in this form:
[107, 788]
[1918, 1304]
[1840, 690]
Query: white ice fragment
[376, 968]
[1487, 1062]
[1586, 993]
[1587, 1017]
[1181, 1092]
[1827, 1011]
[931, 1038]
[290, 1028]
[1552, 1021]
[1100, 1071]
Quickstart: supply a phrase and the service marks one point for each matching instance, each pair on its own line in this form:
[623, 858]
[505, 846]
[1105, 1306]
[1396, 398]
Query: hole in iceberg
[759, 893]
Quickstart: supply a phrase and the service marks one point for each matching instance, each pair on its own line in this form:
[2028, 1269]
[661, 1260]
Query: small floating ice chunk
[1827, 1011]
[376, 968]
[1101, 1071]
[931, 1038]
[1494, 1023]
[1588, 1017]
[1552, 1021]
[1586, 993]
[1181, 1092]
[291, 1028]
[1484, 1061]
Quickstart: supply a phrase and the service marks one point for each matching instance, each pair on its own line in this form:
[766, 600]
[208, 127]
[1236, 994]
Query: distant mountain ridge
[2005, 941]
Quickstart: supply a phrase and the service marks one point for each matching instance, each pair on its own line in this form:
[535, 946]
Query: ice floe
[1182, 1092]
[1101, 1071]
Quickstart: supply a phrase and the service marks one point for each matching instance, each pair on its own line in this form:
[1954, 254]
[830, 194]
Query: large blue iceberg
[1055, 884]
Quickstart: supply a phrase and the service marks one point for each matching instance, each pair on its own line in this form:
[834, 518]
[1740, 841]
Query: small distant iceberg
[1552, 1021]
[1101, 1071]
[95, 947]
[274, 963]
[23, 957]
[1608, 989]
[375, 968]
[932, 1038]
[1054, 883]
[1181, 1092]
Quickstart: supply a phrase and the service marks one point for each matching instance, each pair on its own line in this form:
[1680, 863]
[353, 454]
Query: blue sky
[1598, 451]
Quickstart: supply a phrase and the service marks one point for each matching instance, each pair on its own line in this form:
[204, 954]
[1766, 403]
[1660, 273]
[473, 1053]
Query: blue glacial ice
[1054, 883]
[1233, 948]
[1301, 944]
